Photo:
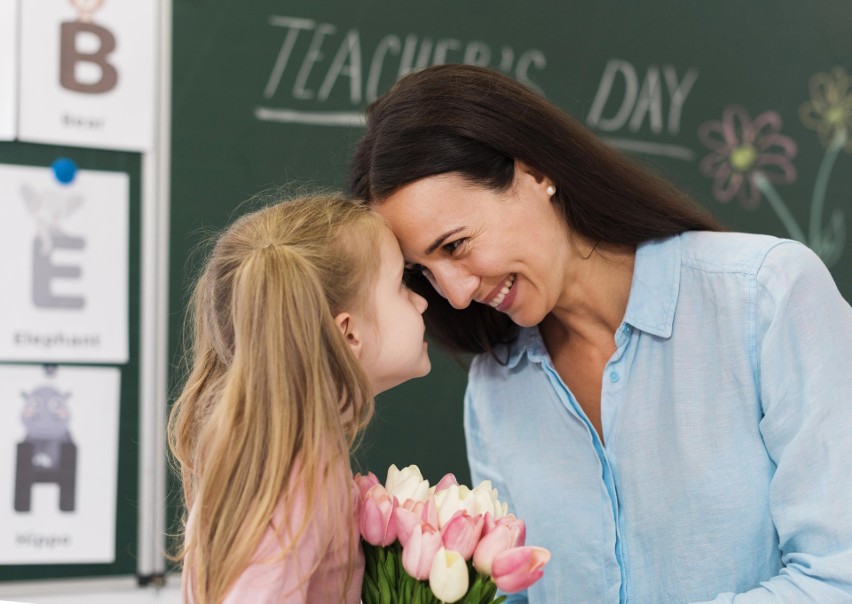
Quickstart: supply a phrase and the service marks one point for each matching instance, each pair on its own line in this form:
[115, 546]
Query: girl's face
[508, 250]
[393, 348]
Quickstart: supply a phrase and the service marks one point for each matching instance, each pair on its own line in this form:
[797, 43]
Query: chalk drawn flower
[829, 111]
[743, 151]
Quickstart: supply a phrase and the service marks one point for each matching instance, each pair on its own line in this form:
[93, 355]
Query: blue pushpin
[64, 169]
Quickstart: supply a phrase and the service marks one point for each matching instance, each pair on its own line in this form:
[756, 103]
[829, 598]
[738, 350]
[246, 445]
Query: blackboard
[127, 508]
[268, 93]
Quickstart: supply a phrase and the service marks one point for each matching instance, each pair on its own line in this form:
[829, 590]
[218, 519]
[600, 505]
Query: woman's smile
[499, 297]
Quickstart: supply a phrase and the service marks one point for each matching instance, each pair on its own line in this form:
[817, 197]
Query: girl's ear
[346, 324]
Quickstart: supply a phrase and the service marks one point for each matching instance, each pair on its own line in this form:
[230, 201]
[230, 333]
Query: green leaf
[473, 592]
[489, 590]
[407, 585]
[385, 592]
[390, 567]
[370, 591]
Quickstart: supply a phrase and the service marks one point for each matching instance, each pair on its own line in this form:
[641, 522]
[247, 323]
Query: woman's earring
[551, 191]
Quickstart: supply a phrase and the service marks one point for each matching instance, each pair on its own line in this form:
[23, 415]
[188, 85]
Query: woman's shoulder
[776, 266]
[736, 252]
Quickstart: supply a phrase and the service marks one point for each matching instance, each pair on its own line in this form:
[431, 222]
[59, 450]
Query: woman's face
[507, 250]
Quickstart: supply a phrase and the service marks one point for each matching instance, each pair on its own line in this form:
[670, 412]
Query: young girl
[300, 318]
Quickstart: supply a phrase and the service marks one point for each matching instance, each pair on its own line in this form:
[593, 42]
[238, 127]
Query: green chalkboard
[269, 93]
[127, 488]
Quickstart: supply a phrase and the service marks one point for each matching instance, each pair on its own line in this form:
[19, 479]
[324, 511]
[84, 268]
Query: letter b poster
[87, 73]
[64, 266]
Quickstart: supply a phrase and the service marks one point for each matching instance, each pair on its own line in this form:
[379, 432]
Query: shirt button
[613, 376]
[627, 329]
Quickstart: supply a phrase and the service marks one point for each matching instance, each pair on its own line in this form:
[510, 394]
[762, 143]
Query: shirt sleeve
[803, 359]
[481, 465]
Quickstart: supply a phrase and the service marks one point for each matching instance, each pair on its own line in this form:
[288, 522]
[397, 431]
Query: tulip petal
[516, 569]
[446, 481]
[448, 577]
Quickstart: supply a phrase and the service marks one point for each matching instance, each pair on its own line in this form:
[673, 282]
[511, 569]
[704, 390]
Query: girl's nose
[420, 302]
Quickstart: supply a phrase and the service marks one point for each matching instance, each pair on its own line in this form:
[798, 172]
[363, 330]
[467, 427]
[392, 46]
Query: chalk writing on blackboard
[620, 101]
[318, 58]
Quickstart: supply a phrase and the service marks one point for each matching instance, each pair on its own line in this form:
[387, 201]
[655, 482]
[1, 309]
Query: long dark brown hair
[475, 122]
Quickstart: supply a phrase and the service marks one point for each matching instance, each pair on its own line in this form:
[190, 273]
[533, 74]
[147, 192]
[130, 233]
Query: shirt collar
[653, 297]
[655, 287]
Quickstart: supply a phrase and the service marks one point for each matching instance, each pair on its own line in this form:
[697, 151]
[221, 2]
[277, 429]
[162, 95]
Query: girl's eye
[416, 269]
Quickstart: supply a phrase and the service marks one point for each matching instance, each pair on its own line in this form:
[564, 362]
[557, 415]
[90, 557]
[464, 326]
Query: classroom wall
[268, 96]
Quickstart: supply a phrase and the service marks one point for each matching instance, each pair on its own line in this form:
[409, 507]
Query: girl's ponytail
[275, 394]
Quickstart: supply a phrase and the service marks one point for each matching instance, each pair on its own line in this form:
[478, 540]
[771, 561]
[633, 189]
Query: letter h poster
[58, 464]
[64, 265]
[88, 73]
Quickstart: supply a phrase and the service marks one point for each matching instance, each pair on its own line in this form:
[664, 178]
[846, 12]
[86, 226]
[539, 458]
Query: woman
[665, 404]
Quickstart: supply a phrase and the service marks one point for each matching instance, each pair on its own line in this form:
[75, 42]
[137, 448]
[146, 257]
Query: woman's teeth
[507, 285]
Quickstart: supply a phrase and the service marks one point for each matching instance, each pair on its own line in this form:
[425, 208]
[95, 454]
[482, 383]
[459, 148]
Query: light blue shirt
[727, 416]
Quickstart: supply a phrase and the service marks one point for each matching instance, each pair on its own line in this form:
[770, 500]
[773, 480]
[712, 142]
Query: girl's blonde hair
[274, 390]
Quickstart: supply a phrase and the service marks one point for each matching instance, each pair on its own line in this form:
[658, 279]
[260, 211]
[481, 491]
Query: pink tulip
[419, 552]
[504, 536]
[516, 525]
[428, 511]
[375, 517]
[462, 533]
[449, 479]
[412, 513]
[405, 520]
[516, 569]
[365, 483]
[489, 524]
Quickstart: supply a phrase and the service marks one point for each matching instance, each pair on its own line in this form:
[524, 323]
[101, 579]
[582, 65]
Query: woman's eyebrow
[439, 240]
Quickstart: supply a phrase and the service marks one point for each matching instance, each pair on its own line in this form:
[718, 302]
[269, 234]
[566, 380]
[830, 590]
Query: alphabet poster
[58, 463]
[87, 75]
[8, 63]
[64, 264]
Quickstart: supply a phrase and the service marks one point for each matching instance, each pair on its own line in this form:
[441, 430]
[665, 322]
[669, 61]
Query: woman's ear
[346, 324]
[524, 170]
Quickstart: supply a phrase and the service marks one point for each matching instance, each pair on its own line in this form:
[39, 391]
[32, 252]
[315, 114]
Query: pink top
[271, 579]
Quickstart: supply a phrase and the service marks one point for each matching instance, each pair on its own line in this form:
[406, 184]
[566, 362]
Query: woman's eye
[452, 246]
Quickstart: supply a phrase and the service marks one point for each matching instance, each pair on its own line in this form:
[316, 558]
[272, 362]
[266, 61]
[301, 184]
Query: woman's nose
[456, 286]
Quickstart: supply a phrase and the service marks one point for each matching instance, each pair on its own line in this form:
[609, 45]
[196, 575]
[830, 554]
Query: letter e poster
[58, 463]
[87, 73]
[64, 250]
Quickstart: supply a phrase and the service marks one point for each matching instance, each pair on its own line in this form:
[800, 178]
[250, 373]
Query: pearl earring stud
[551, 191]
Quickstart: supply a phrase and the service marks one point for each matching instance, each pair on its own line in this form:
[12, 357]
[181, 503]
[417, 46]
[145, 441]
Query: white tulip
[448, 578]
[485, 500]
[479, 500]
[406, 484]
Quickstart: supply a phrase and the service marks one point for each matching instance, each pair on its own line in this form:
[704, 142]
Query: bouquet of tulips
[444, 543]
